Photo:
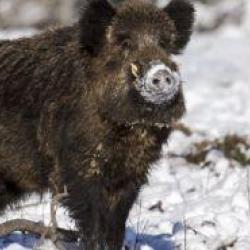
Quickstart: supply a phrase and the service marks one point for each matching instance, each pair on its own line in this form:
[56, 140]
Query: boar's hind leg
[9, 194]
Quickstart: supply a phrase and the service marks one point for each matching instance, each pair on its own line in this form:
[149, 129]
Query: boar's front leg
[119, 204]
[84, 204]
[100, 213]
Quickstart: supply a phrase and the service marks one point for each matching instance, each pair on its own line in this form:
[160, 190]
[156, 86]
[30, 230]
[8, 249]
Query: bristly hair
[96, 17]
[182, 13]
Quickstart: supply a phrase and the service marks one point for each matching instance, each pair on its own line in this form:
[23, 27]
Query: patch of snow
[15, 34]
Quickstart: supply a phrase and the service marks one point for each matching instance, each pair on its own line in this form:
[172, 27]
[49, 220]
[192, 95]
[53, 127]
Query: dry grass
[233, 147]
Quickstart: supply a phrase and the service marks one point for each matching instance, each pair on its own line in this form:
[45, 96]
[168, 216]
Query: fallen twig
[157, 206]
[182, 128]
[37, 228]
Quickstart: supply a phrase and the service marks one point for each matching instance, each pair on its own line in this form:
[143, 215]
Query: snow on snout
[166, 87]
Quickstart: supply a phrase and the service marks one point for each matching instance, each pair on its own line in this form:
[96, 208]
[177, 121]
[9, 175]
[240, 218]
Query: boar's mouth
[143, 123]
[131, 112]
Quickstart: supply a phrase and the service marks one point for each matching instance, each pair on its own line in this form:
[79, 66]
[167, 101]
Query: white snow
[204, 207]
[15, 34]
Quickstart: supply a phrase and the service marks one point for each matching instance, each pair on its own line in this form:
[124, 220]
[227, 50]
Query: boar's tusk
[134, 70]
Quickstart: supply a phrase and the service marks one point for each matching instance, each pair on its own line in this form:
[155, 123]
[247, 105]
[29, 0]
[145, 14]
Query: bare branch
[182, 128]
[37, 228]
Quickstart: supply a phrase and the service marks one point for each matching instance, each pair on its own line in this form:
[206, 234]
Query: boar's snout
[159, 84]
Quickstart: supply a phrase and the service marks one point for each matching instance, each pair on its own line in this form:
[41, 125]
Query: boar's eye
[123, 40]
[164, 42]
[126, 44]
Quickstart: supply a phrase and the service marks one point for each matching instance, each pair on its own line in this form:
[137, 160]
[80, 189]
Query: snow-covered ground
[202, 208]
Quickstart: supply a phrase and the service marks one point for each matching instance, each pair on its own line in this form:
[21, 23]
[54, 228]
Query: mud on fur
[88, 107]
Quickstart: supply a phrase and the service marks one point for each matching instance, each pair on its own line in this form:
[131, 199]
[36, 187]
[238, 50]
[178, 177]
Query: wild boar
[88, 107]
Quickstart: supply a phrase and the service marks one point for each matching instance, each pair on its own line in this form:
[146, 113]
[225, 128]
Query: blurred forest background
[212, 14]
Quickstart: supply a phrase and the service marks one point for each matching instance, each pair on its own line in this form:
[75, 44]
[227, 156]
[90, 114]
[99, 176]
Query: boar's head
[134, 79]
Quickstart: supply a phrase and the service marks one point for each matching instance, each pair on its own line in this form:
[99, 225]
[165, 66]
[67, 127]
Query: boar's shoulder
[44, 67]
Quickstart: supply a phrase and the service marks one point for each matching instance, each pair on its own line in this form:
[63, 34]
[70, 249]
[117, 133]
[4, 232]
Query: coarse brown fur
[69, 116]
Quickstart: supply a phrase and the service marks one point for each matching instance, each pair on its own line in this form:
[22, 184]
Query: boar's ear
[182, 13]
[96, 17]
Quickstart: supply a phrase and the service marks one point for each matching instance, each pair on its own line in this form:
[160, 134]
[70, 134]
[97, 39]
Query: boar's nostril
[156, 81]
[168, 80]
